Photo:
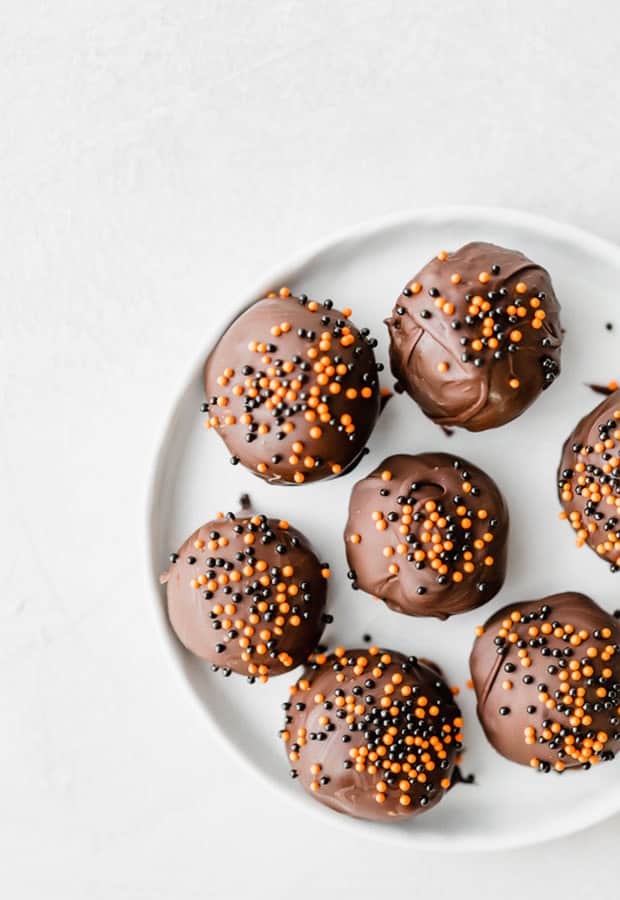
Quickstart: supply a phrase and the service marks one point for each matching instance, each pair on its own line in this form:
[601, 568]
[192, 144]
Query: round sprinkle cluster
[372, 733]
[292, 388]
[427, 534]
[248, 595]
[589, 481]
[487, 315]
[547, 678]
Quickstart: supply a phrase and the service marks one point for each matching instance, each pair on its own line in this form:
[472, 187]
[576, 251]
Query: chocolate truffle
[427, 534]
[547, 679]
[475, 336]
[589, 480]
[372, 733]
[247, 594]
[292, 389]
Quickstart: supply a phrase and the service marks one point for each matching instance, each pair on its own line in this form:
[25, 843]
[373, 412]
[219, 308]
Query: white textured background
[155, 158]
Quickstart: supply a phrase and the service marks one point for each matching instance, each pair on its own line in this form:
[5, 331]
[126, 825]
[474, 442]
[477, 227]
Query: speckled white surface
[155, 159]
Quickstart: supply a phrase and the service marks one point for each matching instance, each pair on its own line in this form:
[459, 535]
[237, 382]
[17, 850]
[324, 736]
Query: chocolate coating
[427, 534]
[475, 336]
[248, 595]
[292, 389]
[547, 679]
[352, 712]
[589, 480]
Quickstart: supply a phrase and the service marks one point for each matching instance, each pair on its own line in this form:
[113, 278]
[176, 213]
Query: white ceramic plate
[365, 268]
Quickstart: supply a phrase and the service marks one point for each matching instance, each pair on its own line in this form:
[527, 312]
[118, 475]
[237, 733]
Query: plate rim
[608, 805]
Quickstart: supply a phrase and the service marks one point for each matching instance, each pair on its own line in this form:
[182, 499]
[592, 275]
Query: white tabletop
[156, 158]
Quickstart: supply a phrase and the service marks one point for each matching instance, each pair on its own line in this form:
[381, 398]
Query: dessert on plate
[247, 593]
[372, 733]
[589, 480]
[547, 680]
[292, 389]
[427, 534]
[475, 336]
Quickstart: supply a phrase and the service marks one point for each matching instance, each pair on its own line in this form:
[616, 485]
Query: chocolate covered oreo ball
[589, 480]
[427, 534]
[547, 678]
[247, 594]
[475, 336]
[372, 733]
[292, 389]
